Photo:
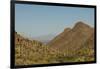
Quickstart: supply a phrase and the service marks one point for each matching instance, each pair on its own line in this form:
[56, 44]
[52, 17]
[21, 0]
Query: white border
[5, 34]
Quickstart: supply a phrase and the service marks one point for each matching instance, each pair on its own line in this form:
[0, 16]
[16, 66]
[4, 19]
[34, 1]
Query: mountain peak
[81, 25]
[67, 29]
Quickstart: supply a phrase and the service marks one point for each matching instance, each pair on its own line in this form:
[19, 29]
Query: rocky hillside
[79, 39]
[29, 52]
[72, 45]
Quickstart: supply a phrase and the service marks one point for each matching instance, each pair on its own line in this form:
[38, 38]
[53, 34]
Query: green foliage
[43, 55]
[29, 52]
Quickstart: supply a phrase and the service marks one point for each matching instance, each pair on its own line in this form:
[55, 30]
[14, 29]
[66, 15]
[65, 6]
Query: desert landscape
[74, 44]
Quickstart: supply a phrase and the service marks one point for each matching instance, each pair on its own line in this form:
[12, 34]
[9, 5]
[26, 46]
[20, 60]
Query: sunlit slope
[72, 45]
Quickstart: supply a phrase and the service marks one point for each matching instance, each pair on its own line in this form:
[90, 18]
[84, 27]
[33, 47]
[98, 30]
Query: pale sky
[37, 20]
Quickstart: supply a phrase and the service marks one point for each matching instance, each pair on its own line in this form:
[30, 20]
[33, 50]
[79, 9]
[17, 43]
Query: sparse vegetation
[70, 46]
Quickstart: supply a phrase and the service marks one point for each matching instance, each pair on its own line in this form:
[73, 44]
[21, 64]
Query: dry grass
[72, 45]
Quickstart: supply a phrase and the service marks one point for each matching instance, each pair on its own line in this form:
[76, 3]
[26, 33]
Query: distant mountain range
[72, 45]
[45, 38]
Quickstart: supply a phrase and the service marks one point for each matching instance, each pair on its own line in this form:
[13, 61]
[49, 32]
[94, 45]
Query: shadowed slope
[71, 40]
